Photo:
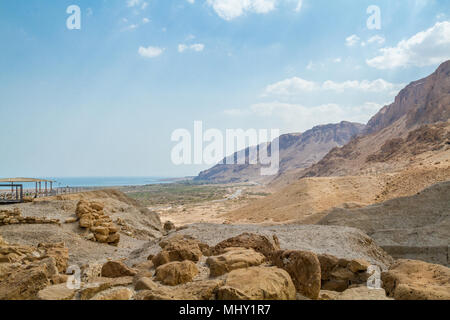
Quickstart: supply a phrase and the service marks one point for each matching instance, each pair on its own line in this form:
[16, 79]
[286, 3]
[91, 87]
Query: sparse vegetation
[176, 193]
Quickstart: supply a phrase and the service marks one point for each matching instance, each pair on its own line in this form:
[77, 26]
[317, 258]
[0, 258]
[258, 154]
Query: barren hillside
[418, 224]
[297, 150]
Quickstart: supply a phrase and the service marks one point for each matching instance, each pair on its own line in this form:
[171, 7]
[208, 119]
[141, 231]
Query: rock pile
[340, 274]
[417, 280]
[25, 270]
[92, 216]
[14, 216]
[187, 269]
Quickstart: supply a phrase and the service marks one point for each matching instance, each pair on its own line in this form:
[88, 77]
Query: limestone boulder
[57, 292]
[114, 294]
[100, 284]
[117, 269]
[417, 280]
[24, 283]
[180, 248]
[198, 290]
[175, 273]
[57, 251]
[234, 258]
[259, 243]
[304, 269]
[257, 283]
[339, 274]
[355, 293]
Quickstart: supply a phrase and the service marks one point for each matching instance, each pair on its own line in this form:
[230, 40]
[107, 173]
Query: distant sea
[103, 181]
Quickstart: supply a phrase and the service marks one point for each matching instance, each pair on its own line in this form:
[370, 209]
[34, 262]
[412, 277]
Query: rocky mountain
[297, 150]
[400, 134]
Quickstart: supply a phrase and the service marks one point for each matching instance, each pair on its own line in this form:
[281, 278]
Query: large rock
[257, 283]
[3, 242]
[116, 269]
[259, 243]
[57, 292]
[356, 293]
[198, 290]
[180, 248]
[57, 251]
[100, 284]
[304, 269]
[114, 294]
[175, 273]
[338, 274]
[417, 280]
[234, 258]
[24, 283]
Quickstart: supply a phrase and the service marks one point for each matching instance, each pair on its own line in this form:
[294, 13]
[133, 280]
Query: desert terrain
[365, 218]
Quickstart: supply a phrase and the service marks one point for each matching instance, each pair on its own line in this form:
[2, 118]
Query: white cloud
[378, 85]
[145, 20]
[231, 9]
[137, 4]
[191, 1]
[377, 39]
[352, 40]
[197, 47]
[290, 87]
[426, 48]
[297, 117]
[296, 86]
[131, 27]
[150, 52]
[182, 47]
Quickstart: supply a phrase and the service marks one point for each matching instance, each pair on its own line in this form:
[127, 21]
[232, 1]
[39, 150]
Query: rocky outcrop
[175, 273]
[340, 274]
[304, 269]
[417, 280]
[198, 290]
[93, 217]
[57, 292]
[114, 294]
[355, 293]
[25, 270]
[14, 217]
[259, 243]
[180, 248]
[390, 133]
[116, 269]
[257, 283]
[232, 259]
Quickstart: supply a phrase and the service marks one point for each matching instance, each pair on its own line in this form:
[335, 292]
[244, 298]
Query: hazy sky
[105, 99]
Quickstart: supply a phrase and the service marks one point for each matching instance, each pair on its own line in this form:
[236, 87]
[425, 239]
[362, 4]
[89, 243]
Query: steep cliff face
[422, 102]
[297, 150]
[420, 111]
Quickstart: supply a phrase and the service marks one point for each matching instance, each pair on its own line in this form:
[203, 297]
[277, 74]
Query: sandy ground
[212, 211]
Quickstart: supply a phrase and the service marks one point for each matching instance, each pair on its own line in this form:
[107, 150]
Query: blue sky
[104, 100]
